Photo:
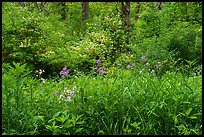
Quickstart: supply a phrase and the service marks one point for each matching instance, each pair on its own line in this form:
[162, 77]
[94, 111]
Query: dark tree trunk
[63, 15]
[126, 17]
[85, 11]
[137, 11]
[159, 7]
[126, 13]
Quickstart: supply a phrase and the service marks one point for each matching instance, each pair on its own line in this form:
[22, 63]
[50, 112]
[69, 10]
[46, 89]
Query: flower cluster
[128, 66]
[64, 72]
[66, 95]
[143, 58]
[146, 66]
[99, 69]
[39, 72]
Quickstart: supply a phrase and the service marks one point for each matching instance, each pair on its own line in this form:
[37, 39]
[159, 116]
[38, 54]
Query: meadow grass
[129, 103]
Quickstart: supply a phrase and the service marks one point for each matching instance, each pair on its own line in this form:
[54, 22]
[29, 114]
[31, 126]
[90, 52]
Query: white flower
[43, 81]
[68, 98]
[153, 71]
[74, 87]
[67, 90]
[61, 96]
[147, 64]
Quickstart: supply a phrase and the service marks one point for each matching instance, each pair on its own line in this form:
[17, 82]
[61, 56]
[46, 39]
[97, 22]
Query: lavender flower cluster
[64, 72]
[99, 68]
[144, 59]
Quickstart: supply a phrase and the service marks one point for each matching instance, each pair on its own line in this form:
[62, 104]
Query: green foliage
[127, 103]
[152, 83]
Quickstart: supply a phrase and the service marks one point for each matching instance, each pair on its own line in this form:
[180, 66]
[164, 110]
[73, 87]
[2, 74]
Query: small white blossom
[153, 71]
[74, 87]
[147, 64]
[61, 96]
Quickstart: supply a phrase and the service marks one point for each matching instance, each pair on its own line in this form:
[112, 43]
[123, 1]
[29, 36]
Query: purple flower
[99, 69]
[158, 64]
[64, 72]
[98, 61]
[64, 69]
[143, 58]
[102, 67]
[72, 93]
[128, 66]
[95, 69]
[102, 72]
[68, 98]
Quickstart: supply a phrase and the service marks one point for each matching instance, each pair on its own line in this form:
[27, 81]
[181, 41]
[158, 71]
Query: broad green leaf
[78, 130]
[135, 125]
[48, 127]
[187, 112]
[193, 117]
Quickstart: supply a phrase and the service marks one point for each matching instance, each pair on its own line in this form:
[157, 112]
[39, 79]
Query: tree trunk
[159, 7]
[63, 15]
[126, 13]
[137, 11]
[85, 11]
[126, 16]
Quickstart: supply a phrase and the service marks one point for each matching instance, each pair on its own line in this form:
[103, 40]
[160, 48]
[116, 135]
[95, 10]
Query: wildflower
[64, 72]
[152, 71]
[61, 96]
[72, 93]
[194, 74]
[67, 90]
[95, 69]
[133, 65]
[102, 72]
[158, 64]
[43, 80]
[99, 69]
[68, 98]
[128, 66]
[143, 58]
[147, 64]
[39, 72]
[142, 70]
[98, 61]
[74, 87]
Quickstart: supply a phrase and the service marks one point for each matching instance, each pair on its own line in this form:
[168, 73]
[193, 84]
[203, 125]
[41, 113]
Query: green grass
[128, 103]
